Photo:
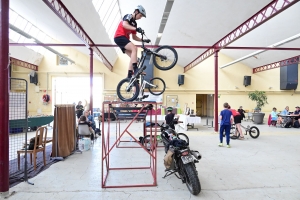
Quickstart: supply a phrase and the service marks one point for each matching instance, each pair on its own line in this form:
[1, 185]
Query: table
[19, 124]
[160, 118]
[188, 121]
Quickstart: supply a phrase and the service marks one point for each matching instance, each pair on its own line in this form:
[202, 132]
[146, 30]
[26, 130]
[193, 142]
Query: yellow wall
[198, 80]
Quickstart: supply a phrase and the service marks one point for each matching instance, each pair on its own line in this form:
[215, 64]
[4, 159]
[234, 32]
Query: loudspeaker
[180, 79]
[289, 77]
[247, 80]
[34, 78]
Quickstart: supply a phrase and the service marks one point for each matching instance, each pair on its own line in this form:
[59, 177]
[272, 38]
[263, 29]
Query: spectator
[82, 121]
[225, 118]
[79, 109]
[242, 112]
[274, 114]
[90, 119]
[297, 113]
[285, 111]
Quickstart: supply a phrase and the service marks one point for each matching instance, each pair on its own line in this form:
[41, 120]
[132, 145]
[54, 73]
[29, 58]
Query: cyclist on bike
[169, 119]
[126, 27]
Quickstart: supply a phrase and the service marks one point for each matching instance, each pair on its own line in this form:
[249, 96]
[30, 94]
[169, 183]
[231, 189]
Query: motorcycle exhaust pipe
[196, 154]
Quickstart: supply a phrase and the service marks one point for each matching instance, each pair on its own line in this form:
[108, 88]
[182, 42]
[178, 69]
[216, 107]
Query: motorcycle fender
[187, 159]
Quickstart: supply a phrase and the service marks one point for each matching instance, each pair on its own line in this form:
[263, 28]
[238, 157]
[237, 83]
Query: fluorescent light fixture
[260, 51]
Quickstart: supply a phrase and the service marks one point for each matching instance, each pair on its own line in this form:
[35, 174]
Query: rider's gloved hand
[147, 40]
[139, 30]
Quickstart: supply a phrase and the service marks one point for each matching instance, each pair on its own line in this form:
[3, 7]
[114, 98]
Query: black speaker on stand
[180, 79]
[247, 80]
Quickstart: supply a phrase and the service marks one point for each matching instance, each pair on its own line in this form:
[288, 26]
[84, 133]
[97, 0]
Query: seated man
[297, 113]
[82, 121]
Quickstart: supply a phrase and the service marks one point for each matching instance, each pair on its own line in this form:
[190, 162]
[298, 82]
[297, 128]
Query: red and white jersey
[121, 31]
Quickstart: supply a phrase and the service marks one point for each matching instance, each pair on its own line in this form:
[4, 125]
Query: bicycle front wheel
[159, 86]
[165, 58]
[126, 92]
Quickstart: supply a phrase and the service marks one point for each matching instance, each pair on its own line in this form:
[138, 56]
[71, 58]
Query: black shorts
[237, 119]
[122, 41]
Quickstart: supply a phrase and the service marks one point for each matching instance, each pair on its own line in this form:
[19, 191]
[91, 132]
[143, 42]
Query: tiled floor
[263, 168]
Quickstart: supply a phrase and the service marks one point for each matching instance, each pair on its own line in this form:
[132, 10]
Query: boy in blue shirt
[226, 118]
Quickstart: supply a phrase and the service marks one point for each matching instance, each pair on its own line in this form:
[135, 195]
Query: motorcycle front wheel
[192, 179]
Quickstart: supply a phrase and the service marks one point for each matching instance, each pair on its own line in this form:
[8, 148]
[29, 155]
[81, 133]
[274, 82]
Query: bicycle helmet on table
[141, 10]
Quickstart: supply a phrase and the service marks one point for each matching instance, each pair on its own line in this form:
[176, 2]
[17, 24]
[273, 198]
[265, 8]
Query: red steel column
[216, 92]
[4, 101]
[91, 80]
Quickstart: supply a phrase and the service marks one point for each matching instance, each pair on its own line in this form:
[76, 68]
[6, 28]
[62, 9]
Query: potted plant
[260, 98]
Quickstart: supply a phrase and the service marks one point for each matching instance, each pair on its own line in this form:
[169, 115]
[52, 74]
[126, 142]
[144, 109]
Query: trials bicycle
[163, 58]
[253, 131]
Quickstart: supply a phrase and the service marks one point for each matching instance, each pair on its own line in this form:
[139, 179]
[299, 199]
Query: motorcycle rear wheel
[192, 179]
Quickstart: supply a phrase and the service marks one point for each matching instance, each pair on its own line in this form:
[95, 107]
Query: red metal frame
[4, 100]
[65, 15]
[277, 64]
[24, 64]
[107, 146]
[252, 23]
[155, 46]
[216, 115]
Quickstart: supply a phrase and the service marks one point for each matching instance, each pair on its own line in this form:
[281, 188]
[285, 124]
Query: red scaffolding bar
[65, 15]
[133, 113]
[277, 64]
[275, 7]
[4, 98]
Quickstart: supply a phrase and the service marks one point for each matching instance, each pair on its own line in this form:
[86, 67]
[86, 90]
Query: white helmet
[141, 9]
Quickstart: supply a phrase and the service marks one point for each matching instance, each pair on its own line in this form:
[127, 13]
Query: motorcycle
[181, 159]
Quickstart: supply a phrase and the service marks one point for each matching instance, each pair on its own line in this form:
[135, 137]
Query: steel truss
[65, 15]
[268, 12]
[127, 111]
[24, 64]
[275, 65]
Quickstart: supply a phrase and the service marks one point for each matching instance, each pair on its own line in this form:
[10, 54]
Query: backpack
[296, 124]
[288, 125]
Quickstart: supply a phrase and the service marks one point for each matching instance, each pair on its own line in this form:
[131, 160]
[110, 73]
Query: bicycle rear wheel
[159, 88]
[165, 58]
[126, 92]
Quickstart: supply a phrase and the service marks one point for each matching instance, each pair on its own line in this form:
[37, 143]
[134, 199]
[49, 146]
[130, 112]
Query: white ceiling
[201, 22]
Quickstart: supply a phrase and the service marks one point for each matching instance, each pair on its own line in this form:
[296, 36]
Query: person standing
[169, 119]
[225, 118]
[79, 109]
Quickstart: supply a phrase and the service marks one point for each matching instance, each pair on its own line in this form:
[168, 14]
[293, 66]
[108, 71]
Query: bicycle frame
[144, 83]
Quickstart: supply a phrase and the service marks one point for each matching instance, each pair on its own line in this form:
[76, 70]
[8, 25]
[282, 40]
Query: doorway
[71, 90]
[204, 105]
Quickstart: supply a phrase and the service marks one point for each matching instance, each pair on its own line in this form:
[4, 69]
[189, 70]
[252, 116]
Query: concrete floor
[263, 168]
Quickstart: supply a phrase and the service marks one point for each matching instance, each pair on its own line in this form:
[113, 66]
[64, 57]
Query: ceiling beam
[65, 15]
[24, 64]
[268, 12]
[278, 64]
